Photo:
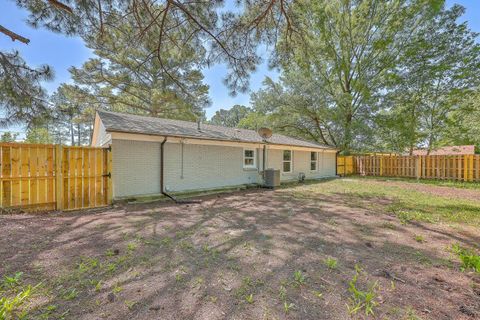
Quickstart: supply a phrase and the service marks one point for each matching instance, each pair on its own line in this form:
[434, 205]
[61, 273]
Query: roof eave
[221, 140]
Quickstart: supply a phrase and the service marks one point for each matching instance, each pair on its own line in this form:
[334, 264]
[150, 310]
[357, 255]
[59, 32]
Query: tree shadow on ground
[203, 261]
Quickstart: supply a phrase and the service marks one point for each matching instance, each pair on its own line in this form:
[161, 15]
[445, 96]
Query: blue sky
[61, 52]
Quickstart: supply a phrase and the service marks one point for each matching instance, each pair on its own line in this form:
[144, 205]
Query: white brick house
[199, 158]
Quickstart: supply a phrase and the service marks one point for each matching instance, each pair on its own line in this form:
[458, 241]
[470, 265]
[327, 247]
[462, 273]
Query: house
[199, 156]
[447, 151]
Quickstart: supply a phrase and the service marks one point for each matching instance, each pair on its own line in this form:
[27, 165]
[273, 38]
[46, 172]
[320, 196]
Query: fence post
[109, 167]
[58, 177]
[418, 164]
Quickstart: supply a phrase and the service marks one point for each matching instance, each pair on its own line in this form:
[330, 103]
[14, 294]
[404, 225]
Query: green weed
[13, 307]
[331, 263]
[298, 277]
[361, 300]
[249, 298]
[11, 282]
[130, 304]
[419, 238]
[470, 260]
[287, 306]
[70, 294]
[117, 289]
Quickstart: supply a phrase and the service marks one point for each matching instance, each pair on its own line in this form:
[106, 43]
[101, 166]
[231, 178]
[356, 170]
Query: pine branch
[13, 35]
[61, 6]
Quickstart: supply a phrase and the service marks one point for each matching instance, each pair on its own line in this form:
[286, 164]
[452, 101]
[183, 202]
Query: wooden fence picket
[458, 167]
[47, 177]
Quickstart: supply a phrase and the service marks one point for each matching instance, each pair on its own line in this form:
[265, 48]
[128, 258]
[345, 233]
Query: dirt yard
[337, 249]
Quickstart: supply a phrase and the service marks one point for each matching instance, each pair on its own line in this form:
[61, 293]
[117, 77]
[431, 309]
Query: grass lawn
[336, 249]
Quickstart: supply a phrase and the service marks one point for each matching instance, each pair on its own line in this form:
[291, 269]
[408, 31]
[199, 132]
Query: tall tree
[463, 124]
[72, 115]
[230, 117]
[22, 97]
[122, 76]
[38, 134]
[350, 46]
[436, 70]
[8, 136]
[229, 36]
[296, 105]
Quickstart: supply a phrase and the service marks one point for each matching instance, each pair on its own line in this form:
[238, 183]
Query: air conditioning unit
[272, 178]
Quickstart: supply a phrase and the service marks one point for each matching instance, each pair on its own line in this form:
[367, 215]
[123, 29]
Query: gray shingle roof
[128, 123]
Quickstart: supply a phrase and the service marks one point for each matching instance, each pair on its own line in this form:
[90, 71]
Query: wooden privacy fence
[49, 177]
[460, 167]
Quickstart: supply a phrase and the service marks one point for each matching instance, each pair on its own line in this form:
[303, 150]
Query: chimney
[199, 123]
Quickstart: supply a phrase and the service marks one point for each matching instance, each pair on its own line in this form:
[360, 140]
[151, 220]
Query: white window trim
[254, 166]
[291, 161]
[314, 161]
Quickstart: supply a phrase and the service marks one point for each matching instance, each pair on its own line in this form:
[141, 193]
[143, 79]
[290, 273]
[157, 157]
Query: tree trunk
[79, 134]
[72, 133]
[347, 135]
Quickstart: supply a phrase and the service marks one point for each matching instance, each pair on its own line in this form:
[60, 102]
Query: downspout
[264, 160]
[162, 169]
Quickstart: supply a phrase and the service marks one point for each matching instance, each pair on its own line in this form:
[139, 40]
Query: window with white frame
[249, 158]
[313, 161]
[287, 161]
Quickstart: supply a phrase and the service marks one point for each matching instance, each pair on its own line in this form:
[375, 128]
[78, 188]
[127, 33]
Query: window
[287, 161]
[313, 161]
[249, 158]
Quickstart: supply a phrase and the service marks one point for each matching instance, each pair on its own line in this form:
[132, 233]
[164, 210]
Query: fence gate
[48, 177]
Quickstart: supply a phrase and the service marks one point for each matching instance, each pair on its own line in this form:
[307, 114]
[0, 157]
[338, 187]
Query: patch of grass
[419, 238]
[70, 294]
[13, 307]
[470, 260]
[287, 307]
[117, 289]
[249, 298]
[299, 278]
[10, 282]
[422, 258]
[331, 263]
[406, 203]
[361, 299]
[130, 304]
[131, 246]
[389, 225]
[407, 216]
[87, 264]
[248, 287]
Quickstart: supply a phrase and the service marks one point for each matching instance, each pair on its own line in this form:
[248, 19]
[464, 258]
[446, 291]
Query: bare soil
[233, 256]
[444, 191]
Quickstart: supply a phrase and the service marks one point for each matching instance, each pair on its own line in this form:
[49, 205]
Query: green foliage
[287, 307]
[419, 238]
[70, 294]
[231, 117]
[425, 103]
[249, 298]
[72, 116]
[13, 307]
[8, 136]
[331, 263]
[361, 300]
[38, 135]
[10, 282]
[22, 97]
[470, 260]
[299, 277]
